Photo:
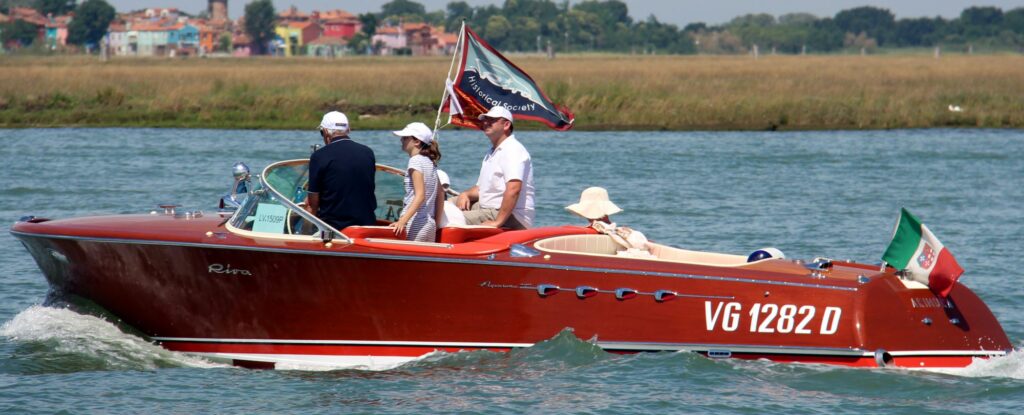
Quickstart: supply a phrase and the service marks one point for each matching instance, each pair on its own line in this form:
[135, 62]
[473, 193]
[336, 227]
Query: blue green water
[834, 194]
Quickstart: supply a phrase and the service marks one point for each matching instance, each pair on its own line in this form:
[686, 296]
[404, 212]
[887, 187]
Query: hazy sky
[679, 12]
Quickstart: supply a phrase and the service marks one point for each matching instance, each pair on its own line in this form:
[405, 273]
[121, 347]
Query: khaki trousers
[477, 215]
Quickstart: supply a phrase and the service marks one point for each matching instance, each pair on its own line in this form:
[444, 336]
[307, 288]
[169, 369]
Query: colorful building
[292, 36]
[328, 47]
[338, 23]
[57, 32]
[418, 39]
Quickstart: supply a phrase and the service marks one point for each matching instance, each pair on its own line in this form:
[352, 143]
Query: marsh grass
[604, 91]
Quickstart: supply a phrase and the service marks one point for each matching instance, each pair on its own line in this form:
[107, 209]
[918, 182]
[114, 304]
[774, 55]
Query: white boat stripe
[635, 346]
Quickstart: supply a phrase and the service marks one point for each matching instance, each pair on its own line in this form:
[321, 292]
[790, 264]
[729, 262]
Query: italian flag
[915, 249]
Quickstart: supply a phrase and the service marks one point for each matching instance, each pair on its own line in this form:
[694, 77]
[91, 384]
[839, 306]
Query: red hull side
[197, 288]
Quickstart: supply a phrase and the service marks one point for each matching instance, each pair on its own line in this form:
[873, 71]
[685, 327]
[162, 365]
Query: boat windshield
[276, 203]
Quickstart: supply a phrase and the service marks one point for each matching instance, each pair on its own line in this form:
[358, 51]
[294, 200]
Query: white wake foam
[1009, 366]
[71, 332]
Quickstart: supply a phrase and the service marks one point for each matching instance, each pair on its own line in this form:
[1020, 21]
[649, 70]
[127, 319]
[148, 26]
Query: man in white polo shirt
[503, 195]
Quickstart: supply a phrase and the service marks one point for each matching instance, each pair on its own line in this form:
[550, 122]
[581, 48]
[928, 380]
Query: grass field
[605, 91]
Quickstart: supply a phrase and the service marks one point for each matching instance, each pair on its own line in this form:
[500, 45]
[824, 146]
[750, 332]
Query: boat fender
[765, 253]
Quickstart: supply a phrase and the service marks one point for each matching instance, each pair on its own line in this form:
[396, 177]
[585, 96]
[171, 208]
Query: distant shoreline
[606, 92]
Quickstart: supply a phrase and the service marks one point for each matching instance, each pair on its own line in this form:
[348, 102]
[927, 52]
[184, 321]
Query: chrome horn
[239, 189]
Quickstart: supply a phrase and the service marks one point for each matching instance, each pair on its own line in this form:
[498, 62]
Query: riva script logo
[227, 270]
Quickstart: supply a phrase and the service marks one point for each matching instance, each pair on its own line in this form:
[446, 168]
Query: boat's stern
[905, 324]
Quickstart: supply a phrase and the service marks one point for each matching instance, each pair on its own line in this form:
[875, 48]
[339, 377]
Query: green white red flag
[919, 253]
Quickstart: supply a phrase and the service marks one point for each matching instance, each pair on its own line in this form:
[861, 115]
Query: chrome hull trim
[432, 259]
[608, 345]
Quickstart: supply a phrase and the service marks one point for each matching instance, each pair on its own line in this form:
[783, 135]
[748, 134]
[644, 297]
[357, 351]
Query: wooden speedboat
[269, 284]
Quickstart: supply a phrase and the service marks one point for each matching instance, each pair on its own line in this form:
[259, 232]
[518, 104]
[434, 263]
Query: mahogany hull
[193, 287]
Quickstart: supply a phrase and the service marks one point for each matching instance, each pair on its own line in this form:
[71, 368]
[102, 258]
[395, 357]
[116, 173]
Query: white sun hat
[334, 120]
[594, 204]
[418, 130]
[497, 111]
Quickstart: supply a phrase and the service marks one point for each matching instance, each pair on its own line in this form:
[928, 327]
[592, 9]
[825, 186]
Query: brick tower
[218, 10]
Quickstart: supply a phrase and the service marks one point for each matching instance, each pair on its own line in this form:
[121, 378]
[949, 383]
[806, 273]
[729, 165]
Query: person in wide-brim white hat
[594, 204]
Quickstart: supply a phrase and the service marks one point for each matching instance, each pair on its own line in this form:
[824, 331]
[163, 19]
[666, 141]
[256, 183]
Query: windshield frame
[292, 206]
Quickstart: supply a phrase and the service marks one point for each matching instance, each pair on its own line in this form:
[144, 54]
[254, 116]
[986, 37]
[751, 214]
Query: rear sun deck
[605, 246]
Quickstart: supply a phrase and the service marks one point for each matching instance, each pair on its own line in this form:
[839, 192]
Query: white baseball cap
[418, 130]
[497, 111]
[334, 120]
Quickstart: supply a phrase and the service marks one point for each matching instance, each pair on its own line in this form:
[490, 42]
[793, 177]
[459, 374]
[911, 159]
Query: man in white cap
[503, 195]
[341, 177]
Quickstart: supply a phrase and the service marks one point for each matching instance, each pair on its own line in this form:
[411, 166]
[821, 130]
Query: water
[809, 194]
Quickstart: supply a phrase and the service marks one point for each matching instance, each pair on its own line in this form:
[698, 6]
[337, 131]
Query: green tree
[402, 8]
[498, 29]
[610, 11]
[797, 19]
[978, 22]
[921, 31]
[455, 13]
[18, 31]
[259, 23]
[6, 5]
[696, 27]
[360, 43]
[1013, 20]
[92, 19]
[224, 43]
[875, 22]
[56, 7]
[826, 36]
[369, 22]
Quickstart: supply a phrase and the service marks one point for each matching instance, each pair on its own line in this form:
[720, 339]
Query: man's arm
[312, 202]
[508, 202]
[466, 198]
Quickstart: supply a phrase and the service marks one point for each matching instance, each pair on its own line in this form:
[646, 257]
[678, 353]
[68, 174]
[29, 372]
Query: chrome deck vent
[522, 251]
[623, 294]
[586, 292]
[545, 290]
[662, 296]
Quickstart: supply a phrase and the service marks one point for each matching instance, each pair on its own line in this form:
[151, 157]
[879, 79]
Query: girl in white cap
[423, 195]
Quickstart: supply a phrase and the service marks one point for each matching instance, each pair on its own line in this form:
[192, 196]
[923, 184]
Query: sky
[679, 12]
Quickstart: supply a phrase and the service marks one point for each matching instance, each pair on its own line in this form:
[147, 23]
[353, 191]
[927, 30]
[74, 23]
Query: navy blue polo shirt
[342, 172]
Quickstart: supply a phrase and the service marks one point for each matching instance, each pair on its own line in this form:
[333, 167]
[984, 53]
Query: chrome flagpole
[448, 79]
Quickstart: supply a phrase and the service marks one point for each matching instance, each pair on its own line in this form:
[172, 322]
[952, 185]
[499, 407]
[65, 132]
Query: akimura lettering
[226, 269]
[771, 318]
[931, 302]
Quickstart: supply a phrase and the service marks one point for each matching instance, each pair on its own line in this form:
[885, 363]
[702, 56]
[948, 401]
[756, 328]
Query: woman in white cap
[423, 194]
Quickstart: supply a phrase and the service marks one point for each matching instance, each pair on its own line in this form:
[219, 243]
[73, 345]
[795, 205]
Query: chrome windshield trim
[321, 225]
[481, 261]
